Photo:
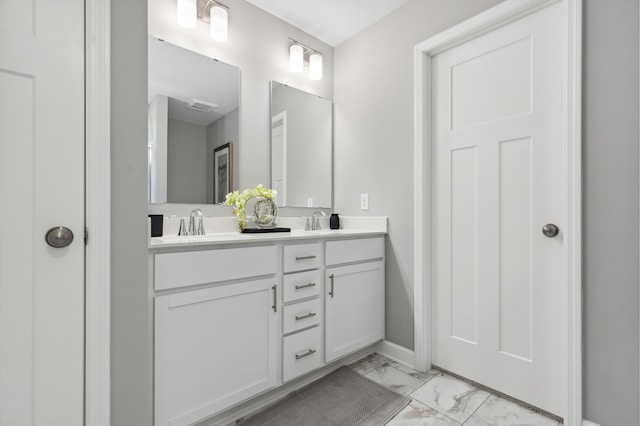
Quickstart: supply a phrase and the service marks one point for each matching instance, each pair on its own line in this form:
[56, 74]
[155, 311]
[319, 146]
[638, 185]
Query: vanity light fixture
[296, 58]
[299, 54]
[212, 12]
[315, 66]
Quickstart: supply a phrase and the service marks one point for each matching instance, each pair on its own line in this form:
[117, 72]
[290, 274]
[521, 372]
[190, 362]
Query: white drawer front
[173, 270]
[301, 257]
[301, 285]
[301, 352]
[301, 315]
[346, 251]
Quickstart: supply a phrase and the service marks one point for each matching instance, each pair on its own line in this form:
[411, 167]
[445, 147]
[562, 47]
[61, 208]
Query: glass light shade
[219, 23]
[296, 58]
[187, 13]
[315, 67]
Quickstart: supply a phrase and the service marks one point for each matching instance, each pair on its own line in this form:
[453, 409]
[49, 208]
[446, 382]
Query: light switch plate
[364, 201]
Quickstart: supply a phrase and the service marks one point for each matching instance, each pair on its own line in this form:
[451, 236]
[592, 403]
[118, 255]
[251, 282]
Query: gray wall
[130, 307]
[186, 162]
[610, 231]
[373, 148]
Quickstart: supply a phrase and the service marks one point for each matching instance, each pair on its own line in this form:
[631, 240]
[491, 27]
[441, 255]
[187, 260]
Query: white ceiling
[331, 21]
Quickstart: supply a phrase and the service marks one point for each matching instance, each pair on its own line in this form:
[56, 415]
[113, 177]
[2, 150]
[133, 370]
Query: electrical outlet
[364, 201]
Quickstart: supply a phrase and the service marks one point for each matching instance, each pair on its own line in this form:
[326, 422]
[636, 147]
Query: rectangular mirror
[193, 125]
[301, 147]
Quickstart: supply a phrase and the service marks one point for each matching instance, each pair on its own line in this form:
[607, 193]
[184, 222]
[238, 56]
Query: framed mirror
[301, 147]
[193, 126]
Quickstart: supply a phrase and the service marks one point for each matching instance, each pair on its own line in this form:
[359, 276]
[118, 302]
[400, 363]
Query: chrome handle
[309, 315]
[331, 291]
[306, 257]
[550, 230]
[298, 287]
[307, 353]
[275, 298]
[59, 237]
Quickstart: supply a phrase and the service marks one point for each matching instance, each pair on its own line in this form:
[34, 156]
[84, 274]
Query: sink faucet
[192, 223]
[315, 220]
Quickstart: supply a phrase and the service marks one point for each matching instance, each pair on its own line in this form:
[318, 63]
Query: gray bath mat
[343, 398]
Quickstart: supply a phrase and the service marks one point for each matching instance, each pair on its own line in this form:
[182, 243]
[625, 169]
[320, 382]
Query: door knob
[550, 230]
[59, 237]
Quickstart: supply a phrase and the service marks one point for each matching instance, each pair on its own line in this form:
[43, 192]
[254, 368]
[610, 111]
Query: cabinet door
[354, 308]
[214, 347]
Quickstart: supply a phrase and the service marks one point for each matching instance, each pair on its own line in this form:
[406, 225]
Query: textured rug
[342, 398]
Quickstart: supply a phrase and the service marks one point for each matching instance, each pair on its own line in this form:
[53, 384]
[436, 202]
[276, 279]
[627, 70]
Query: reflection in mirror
[193, 111]
[301, 143]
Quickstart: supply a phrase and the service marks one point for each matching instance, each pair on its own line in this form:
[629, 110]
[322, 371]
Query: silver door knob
[59, 237]
[550, 230]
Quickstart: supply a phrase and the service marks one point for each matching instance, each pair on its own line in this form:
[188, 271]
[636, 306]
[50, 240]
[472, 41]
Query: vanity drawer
[301, 352]
[347, 251]
[174, 270]
[301, 315]
[301, 257]
[301, 285]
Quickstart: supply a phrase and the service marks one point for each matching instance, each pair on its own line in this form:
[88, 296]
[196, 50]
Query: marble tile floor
[441, 400]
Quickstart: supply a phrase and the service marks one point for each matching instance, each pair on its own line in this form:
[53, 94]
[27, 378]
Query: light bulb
[219, 23]
[187, 13]
[315, 67]
[296, 58]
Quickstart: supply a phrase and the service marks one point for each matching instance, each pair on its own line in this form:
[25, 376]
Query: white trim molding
[501, 14]
[396, 353]
[588, 423]
[98, 213]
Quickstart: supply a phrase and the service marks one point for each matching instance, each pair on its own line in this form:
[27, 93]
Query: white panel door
[497, 180]
[41, 186]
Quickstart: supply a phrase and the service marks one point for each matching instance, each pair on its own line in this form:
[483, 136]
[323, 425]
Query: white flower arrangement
[239, 199]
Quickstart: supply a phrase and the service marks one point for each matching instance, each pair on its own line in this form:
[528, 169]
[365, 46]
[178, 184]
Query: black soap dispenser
[334, 221]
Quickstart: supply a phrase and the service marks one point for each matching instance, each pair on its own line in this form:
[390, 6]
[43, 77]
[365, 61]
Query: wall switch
[364, 201]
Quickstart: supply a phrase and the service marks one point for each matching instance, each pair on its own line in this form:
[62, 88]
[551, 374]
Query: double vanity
[242, 315]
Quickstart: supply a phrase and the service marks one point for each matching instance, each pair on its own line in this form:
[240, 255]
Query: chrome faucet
[315, 219]
[192, 223]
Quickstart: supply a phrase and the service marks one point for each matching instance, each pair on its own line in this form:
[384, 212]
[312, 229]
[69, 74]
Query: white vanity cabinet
[240, 320]
[217, 345]
[354, 295]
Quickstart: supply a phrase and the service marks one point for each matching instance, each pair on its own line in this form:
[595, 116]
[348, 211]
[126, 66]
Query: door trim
[97, 213]
[503, 13]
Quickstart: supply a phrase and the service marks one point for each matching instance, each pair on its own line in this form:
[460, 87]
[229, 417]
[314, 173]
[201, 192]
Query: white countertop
[352, 226]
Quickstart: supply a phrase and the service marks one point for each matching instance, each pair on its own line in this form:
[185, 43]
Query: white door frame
[501, 14]
[98, 213]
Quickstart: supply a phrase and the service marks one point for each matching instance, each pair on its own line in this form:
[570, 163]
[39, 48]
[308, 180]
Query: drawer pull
[313, 256]
[331, 291]
[309, 315]
[275, 298]
[307, 353]
[299, 287]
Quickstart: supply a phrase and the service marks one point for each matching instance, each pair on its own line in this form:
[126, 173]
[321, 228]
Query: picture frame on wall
[222, 172]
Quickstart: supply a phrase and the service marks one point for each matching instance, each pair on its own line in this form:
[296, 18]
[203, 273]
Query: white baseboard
[588, 423]
[395, 352]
